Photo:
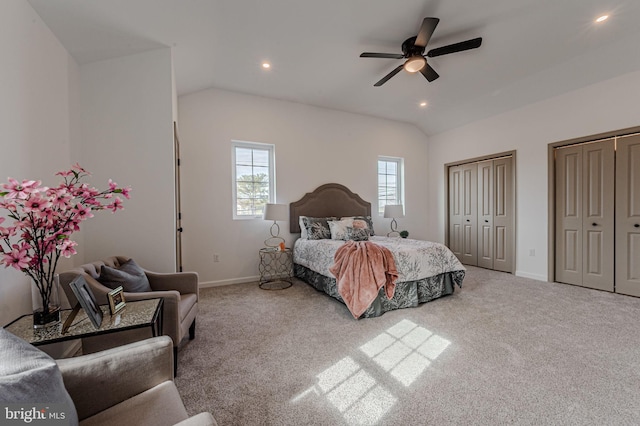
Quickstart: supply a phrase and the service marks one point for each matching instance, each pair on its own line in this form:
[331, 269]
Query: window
[390, 176]
[253, 178]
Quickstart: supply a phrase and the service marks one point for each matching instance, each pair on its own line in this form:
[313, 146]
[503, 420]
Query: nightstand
[276, 268]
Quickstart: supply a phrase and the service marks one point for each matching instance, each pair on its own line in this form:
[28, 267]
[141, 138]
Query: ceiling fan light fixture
[415, 64]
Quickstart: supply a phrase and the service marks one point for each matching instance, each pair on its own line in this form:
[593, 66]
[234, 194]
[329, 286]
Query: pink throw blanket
[361, 268]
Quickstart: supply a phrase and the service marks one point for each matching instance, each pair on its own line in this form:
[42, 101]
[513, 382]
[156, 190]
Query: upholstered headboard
[331, 199]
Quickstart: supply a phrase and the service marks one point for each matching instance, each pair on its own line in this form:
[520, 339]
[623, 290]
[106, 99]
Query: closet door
[503, 215]
[585, 214]
[569, 215]
[485, 214]
[469, 207]
[598, 160]
[455, 211]
[628, 215]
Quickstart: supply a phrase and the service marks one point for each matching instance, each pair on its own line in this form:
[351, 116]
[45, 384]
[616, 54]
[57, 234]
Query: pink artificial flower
[18, 258]
[20, 190]
[60, 199]
[79, 168]
[36, 204]
[125, 192]
[81, 213]
[7, 232]
[8, 204]
[65, 173]
[67, 248]
[115, 205]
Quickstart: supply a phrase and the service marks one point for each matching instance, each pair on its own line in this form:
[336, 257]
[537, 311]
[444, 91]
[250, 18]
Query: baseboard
[532, 276]
[229, 282]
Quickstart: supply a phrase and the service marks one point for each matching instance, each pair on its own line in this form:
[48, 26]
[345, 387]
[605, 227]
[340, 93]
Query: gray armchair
[179, 291]
[110, 387]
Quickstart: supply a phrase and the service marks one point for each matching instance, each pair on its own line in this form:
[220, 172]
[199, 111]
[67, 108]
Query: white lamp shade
[276, 212]
[393, 210]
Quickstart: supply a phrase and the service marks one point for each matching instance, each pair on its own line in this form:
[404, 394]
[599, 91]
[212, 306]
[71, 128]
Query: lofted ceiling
[532, 49]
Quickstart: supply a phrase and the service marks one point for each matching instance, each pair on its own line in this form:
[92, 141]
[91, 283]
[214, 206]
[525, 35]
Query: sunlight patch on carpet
[404, 351]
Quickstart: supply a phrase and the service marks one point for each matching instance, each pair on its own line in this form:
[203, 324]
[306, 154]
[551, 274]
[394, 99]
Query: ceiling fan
[413, 50]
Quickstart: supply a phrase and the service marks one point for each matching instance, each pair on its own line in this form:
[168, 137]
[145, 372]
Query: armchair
[179, 290]
[109, 387]
[131, 384]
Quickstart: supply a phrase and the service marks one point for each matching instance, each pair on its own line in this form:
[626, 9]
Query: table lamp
[275, 212]
[393, 211]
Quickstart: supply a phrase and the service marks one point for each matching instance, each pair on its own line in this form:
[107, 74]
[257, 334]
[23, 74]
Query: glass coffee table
[136, 314]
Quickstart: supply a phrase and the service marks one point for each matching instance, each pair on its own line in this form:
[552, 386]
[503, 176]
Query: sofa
[131, 384]
[179, 291]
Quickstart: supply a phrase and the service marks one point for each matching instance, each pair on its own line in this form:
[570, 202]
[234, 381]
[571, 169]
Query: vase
[46, 303]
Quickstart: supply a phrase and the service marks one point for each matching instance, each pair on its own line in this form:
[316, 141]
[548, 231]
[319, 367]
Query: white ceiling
[532, 49]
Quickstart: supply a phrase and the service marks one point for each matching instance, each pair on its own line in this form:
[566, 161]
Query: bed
[426, 270]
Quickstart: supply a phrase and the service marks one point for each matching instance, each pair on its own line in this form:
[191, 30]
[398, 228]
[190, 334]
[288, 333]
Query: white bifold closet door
[628, 215]
[585, 195]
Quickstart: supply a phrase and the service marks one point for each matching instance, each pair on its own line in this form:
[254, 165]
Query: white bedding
[415, 259]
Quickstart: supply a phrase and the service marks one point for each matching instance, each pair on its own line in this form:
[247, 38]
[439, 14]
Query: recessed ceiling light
[423, 104]
[266, 65]
[602, 18]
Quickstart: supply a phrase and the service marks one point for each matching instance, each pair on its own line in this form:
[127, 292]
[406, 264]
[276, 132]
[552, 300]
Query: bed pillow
[128, 275]
[318, 227]
[357, 234]
[338, 228]
[362, 222]
[303, 229]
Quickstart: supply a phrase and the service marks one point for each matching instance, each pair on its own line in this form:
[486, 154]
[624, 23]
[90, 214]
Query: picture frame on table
[116, 300]
[87, 300]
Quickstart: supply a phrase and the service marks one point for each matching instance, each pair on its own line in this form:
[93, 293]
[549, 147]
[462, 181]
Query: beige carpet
[503, 350]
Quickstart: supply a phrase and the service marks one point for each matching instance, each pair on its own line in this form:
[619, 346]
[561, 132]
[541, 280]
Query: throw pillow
[357, 234]
[338, 228]
[31, 380]
[362, 222]
[318, 227]
[128, 275]
[303, 230]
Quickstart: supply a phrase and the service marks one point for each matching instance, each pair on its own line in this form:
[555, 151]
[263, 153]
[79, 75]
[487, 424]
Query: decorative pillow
[303, 229]
[318, 227]
[31, 380]
[338, 228]
[129, 275]
[357, 234]
[362, 222]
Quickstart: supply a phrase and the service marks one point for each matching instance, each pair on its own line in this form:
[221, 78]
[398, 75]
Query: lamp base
[394, 229]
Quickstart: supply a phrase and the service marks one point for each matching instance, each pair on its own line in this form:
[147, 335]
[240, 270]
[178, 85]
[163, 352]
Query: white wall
[38, 76]
[313, 146]
[605, 106]
[127, 135]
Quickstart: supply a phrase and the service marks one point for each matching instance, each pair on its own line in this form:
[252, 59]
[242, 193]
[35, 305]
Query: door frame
[511, 154]
[551, 187]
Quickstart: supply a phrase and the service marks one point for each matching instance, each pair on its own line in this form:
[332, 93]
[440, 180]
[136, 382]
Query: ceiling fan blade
[388, 76]
[426, 30]
[456, 47]
[381, 55]
[429, 73]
